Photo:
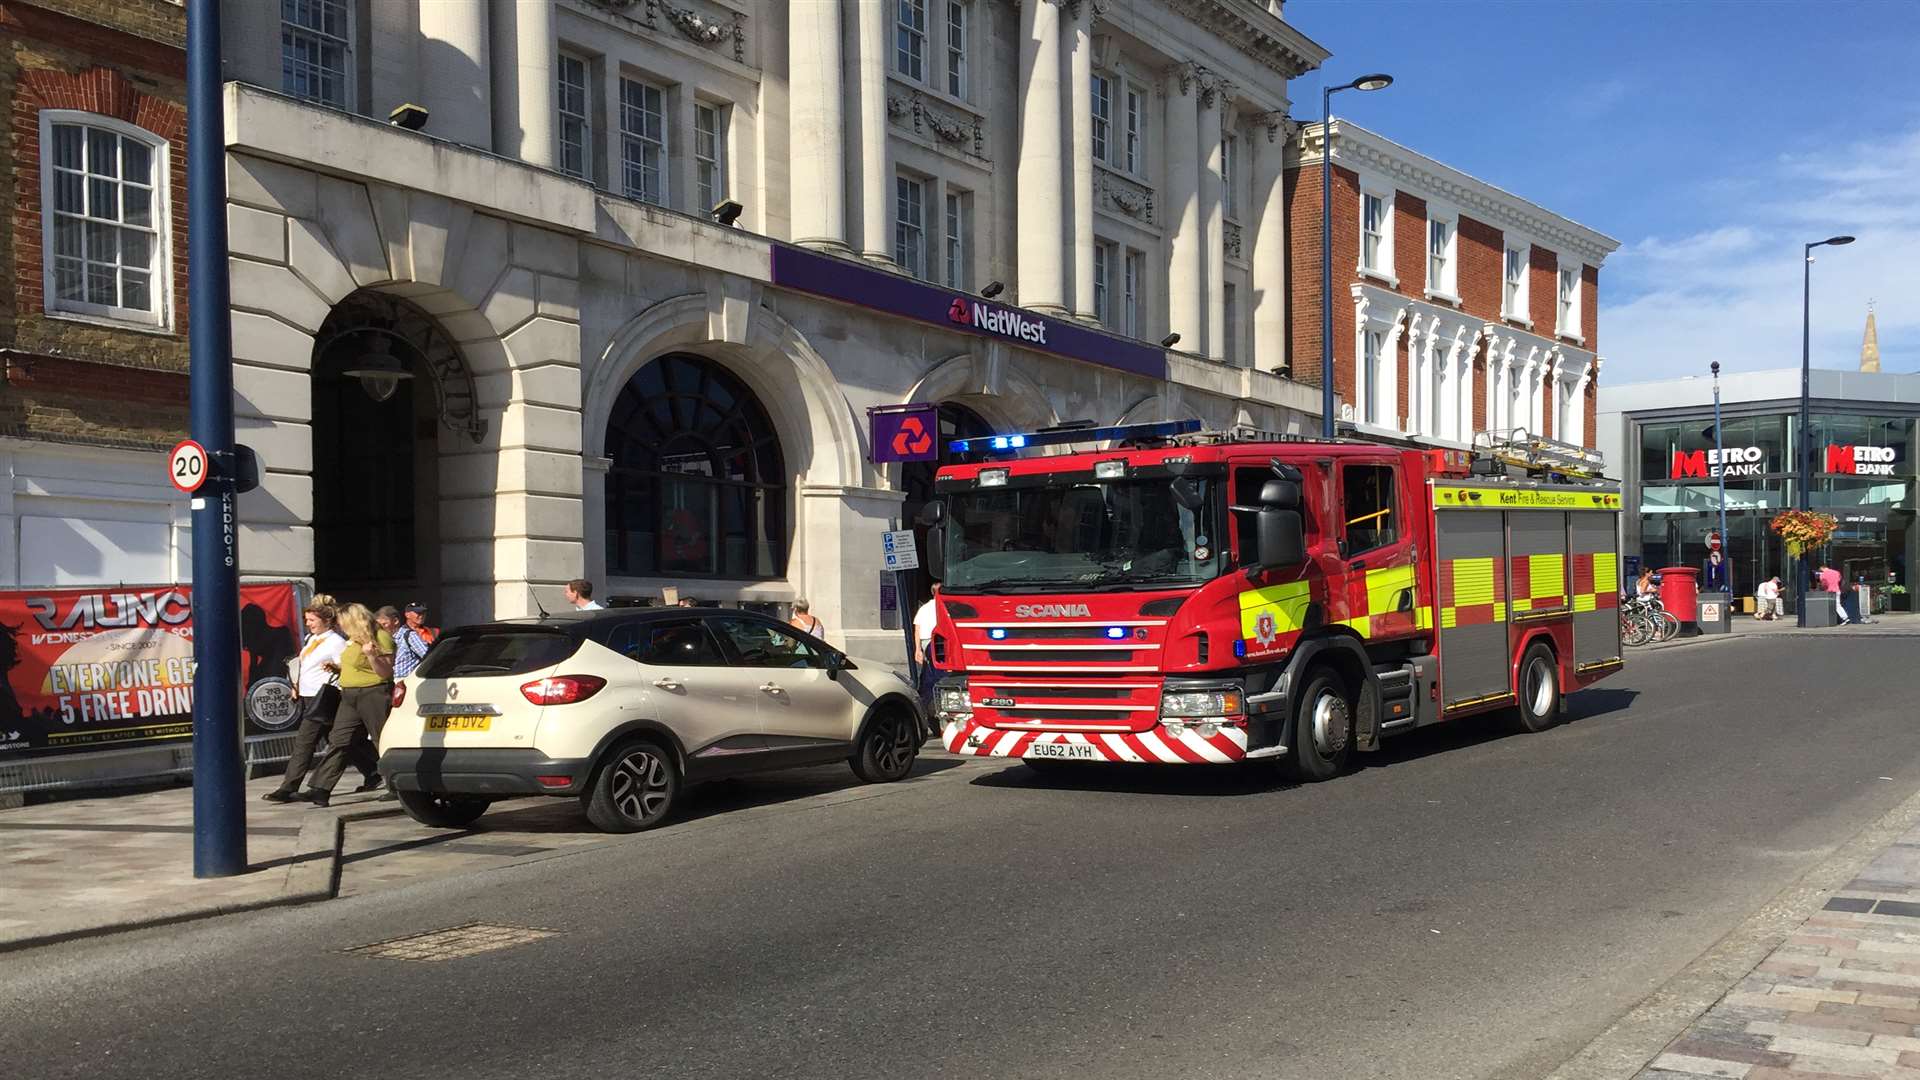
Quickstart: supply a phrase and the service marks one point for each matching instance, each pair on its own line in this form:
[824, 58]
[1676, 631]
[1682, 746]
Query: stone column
[1080, 124]
[1468, 388]
[1269, 255]
[876, 166]
[1577, 409]
[1213, 221]
[525, 74]
[456, 73]
[1041, 231]
[1186, 290]
[1416, 383]
[1450, 393]
[817, 117]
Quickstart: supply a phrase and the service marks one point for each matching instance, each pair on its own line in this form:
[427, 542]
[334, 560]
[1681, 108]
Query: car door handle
[771, 689]
[666, 684]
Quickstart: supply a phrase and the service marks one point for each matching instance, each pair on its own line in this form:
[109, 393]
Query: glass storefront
[1863, 473]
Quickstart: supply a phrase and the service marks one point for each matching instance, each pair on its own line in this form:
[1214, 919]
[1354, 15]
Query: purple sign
[905, 433]
[897, 294]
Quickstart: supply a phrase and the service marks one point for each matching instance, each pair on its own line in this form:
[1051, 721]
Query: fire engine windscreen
[1085, 536]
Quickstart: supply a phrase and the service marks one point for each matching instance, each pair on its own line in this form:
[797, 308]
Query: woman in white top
[313, 674]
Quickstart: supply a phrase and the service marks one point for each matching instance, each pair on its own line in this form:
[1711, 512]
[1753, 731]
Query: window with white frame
[103, 190]
[316, 50]
[1373, 349]
[1103, 259]
[1133, 155]
[1376, 232]
[1102, 117]
[643, 141]
[959, 228]
[1513, 295]
[1569, 301]
[910, 224]
[576, 133]
[1440, 256]
[1130, 284]
[957, 18]
[709, 154]
[1230, 299]
[910, 39]
[1229, 153]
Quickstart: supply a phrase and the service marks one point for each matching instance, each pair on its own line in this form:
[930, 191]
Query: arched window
[698, 487]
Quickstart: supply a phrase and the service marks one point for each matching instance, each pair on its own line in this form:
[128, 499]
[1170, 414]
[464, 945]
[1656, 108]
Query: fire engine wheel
[1540, 701]
[1322, 729]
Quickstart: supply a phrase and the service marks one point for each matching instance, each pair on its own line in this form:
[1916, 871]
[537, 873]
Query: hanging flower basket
[1801, 530]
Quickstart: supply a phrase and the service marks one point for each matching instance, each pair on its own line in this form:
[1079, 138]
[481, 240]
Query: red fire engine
[1211, 597]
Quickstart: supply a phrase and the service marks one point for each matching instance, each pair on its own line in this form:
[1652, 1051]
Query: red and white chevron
[1156, 745]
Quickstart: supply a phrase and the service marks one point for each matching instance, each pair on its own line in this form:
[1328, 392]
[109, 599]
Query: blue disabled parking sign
[898, 550]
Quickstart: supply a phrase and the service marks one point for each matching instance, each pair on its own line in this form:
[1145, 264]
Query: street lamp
[1719, 454]
[1364, 82]
[1806, 405]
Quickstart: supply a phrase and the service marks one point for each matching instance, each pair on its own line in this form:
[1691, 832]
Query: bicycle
[1663, 625]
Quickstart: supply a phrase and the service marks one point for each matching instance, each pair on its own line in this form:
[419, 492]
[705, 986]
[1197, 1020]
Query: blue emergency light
[1006, 444]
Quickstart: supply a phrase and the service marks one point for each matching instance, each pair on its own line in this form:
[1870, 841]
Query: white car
[623, 708]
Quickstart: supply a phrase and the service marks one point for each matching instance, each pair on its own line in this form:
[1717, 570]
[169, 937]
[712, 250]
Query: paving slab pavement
[1892, 624]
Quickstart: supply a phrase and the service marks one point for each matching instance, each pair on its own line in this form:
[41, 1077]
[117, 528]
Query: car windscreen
[482, 651]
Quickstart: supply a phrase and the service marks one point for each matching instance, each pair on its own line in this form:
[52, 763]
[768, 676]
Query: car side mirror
[838, 662]
[1280, 538]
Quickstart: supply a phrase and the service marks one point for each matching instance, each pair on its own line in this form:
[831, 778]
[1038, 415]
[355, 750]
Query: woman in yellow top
[366, 693]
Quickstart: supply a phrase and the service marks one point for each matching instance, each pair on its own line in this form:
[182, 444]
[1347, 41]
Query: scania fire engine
[1203, 597]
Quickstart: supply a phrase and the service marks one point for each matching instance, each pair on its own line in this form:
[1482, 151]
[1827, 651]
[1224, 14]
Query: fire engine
[1203, 597]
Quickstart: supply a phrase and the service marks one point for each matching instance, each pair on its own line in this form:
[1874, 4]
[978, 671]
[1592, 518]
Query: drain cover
[470, 939]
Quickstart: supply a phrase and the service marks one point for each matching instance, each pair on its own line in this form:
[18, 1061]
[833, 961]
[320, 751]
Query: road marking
[453, 943]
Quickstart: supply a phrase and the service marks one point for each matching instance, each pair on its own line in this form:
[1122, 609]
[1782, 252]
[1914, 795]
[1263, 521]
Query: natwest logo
[1708, 464]
[1860, 460]
[996, 320]
[1052, 611]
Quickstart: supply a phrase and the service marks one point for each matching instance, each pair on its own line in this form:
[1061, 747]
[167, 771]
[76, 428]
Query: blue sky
[1710, 138]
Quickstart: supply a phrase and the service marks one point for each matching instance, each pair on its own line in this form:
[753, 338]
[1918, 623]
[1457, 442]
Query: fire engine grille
[1078, 693]
[1061, 656]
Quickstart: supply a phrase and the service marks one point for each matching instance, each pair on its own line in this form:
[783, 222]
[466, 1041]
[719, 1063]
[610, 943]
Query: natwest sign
[996, 320]
[1860, 460]
[1711, 464]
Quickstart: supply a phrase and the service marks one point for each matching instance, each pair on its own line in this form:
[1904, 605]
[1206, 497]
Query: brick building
[1458, 307]
[93, 334]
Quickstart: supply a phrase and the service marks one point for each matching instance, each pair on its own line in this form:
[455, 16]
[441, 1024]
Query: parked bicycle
[1645, 620]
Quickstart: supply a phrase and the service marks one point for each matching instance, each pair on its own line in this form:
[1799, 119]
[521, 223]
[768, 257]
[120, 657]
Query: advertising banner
[107, 668]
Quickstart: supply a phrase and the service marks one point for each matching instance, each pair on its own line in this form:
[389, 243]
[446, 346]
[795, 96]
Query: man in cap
[412, 640]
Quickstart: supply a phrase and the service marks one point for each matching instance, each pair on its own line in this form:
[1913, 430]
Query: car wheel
[442, 811]
[635, 790]
[1539, 707]
[887, 747]
[1322, 729]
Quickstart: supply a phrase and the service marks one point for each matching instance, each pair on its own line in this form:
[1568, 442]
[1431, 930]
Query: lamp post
[1364, 82]
[1801, 448]
[1719, 455]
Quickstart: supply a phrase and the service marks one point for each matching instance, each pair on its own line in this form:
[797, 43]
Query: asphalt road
[1470, 904]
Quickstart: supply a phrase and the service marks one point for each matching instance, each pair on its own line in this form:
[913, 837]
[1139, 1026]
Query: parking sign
[898, 551]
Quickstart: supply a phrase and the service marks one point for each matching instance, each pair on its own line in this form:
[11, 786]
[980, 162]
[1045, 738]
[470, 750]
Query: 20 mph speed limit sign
[187, 466]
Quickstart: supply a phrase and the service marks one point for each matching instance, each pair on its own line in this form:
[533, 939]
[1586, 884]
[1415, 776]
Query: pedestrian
[409, 648]
[925, 617]
[417, 622]
[805, 620]
[366, 693]
[687, 601]
[1715, 579]
[315, 691]
[580, 594]
[1644, 587]
[1767, 600]
[1830, 582]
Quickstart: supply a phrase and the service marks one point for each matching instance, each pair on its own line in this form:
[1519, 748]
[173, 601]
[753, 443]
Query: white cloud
[1731, 291]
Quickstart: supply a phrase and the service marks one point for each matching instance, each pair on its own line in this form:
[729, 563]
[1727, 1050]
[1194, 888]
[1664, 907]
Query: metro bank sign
[897, 294]
[1712, 464]
[1860, 460]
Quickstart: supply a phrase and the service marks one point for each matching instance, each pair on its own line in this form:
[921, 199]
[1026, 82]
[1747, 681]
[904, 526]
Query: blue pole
[1326, 262]
[1804, 465]
[219, 786]
[1719, 453]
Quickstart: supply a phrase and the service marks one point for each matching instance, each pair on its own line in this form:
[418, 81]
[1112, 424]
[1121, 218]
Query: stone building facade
[93, 315]
[1458, 308]
[647, 265]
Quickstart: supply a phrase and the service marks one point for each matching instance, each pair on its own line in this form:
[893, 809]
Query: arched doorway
[697, 488]
[376, 491]
[957, 421]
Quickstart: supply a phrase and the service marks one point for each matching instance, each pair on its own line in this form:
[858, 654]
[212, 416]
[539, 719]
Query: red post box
[1680, 591]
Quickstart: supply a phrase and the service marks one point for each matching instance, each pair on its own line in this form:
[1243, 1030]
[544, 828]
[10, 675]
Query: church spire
[1870, 345]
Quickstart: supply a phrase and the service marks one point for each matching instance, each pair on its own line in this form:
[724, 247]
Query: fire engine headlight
[951, 702]
[1205, 703]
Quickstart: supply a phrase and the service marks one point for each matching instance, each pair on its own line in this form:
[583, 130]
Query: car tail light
[399, 694]
[562, 689]
[555, 781]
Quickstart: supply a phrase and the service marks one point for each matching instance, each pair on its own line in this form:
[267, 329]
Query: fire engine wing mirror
[933, 513]
[1280, 494]
[1280, 538]
[936, 563]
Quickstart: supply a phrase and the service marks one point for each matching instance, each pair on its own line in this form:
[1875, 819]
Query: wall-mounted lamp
[993, 289]
[726, 211]
[1170, 341]
[409, 116]
[378, 370]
